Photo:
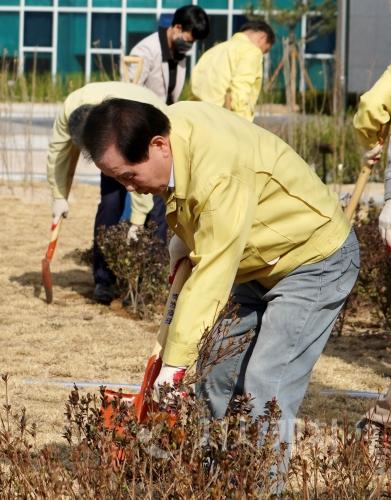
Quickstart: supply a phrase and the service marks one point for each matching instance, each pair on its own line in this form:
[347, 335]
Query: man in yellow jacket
[230, 73]
[62, 158]
[257, 221]
[374, 112]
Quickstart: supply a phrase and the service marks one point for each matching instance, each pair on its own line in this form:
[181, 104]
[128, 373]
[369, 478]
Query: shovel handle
[55, 230]
[181, 275]
[362, 180]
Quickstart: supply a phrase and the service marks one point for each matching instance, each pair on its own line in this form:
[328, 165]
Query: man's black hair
[260, 26]
[76, 122]
[194, 19]
[129, 125]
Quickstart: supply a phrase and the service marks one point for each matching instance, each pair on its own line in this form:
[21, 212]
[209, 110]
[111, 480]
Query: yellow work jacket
[242, 199]
[374, 111]
[233, 67]
[63, 155]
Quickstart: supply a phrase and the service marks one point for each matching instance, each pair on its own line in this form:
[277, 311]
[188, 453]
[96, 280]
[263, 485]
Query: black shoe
[104, 294]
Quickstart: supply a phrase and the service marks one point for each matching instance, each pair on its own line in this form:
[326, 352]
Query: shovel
[46, 274]
[362, 180]
[55, 230]
[142, 402]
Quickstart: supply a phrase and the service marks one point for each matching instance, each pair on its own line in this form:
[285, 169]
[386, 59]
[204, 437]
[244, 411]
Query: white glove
[171, 375]
[373, 155]
[177, 250]
[60, 208]
[133, 232]
[385, 223]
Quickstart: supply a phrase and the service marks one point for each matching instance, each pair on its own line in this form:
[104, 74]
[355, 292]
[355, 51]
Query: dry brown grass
[75, 339]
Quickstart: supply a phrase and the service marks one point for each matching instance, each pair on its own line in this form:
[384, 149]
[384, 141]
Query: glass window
[218, 33]
[39, 62]
[39, 3]
[106, 30]
[38, 29]
[318, 43]
[106, 3]
[104, 67]
[213, 4]
[9, 3]
[72, 3]
[71, 46]
[9, 29]
[138, 26]
[141, 3]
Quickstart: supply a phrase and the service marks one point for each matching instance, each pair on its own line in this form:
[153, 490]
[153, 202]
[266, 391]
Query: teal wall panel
[106, 3]
[242, 4]
[39, 3]
[141, 3]
[174, 4]
[320, 73]
[213, 4]
[72, 3]
[71, 45]
[9, 32]
[9, 3]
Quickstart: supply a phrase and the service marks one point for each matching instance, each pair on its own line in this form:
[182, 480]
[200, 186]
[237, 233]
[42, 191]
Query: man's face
[149, 176]
[262, 42]
[179, 33]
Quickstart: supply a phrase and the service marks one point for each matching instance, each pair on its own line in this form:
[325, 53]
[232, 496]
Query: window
[71, 43]
[39, 62]
[38, 29]
[318, 43]
[106, 31]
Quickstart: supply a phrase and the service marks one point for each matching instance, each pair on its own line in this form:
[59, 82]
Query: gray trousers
[289, 326]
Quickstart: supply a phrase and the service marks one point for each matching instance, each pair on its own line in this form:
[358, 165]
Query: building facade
[73, 36]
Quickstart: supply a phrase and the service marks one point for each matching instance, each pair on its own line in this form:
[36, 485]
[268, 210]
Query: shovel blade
[47, 280]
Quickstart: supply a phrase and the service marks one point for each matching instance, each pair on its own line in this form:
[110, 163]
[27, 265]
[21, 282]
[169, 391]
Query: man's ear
[162, 143]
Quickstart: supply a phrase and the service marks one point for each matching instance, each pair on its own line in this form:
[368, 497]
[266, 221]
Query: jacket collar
[180, 140]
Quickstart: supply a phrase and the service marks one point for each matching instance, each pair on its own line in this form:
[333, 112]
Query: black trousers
[109, 212]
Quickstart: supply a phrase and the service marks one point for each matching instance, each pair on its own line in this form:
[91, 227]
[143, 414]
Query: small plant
[230, 458]
[372, 291]
[141, 266]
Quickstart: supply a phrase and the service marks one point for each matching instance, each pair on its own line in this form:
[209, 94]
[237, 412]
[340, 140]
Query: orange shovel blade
[141, 402]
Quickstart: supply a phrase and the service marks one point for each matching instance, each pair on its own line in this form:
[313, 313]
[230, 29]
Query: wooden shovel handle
[55, 230]
[181, 276]
[362, 180]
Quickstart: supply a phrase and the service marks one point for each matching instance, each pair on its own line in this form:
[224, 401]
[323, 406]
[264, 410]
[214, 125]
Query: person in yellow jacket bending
[258, 221]
[61, 162]
[230, 73]
[374, 112]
